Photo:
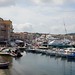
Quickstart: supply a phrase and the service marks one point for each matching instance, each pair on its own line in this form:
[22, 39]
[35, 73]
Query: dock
[63, 53]
[2, 72]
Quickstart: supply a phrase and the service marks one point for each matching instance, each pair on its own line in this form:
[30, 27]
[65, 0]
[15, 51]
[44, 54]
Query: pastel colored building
[6, 30]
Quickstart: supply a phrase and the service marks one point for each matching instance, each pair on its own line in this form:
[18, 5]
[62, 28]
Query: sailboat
[61, 43]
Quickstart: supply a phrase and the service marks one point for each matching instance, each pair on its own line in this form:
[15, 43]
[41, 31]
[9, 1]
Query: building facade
[6, 30]
[20, 36]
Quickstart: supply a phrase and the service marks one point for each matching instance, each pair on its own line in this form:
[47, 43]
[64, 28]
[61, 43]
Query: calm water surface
[37, 64]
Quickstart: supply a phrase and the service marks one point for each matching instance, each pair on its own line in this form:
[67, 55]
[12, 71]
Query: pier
[63, 53]
[2, 72]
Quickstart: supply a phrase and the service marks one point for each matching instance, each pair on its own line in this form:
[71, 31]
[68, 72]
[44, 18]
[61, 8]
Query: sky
[42, 16]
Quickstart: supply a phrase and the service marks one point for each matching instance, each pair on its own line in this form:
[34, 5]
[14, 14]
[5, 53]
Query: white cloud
[7, 2]
[58, 2]
[35, 2]
[52, 2]
[45, 18]
[39, 2]
[26, 27]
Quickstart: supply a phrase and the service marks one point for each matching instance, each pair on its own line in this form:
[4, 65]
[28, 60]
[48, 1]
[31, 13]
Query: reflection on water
[36, 64]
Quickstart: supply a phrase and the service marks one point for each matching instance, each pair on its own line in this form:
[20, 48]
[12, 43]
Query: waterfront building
[20, 36]
[6, 30]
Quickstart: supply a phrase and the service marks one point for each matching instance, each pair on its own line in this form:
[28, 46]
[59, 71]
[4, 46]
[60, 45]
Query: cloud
[58, 2]
[53, 2]
[43, 17]
[41, 1]
[50, 2]
[26, 27]
[35, 2]
[7, 2]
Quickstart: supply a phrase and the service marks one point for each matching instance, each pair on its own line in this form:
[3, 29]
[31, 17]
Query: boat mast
[65, 30]
[65, 27]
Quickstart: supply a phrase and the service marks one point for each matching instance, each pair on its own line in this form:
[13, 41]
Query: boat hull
[4, 65]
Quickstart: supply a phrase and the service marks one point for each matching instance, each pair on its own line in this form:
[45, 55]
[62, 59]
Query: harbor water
[38, 64]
